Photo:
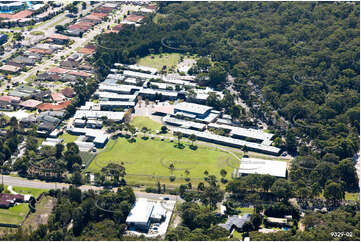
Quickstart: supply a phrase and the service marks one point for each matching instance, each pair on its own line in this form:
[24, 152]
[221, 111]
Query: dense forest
[295, 64]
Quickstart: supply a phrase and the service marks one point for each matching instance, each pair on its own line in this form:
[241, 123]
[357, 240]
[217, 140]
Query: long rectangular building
[184, 123]
[91, 114]
[109, 105]
[241, 133]
[111, 96]
[263, 167]
[121, 89]
[200, 111]
[222, 140]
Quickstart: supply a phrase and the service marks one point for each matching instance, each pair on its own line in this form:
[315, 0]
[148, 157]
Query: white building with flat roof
[139, 216]
[140, 75]
[223, 140]
[201, 111]
[260, 166]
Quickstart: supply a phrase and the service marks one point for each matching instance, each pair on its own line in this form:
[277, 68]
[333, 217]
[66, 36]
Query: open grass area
[37, 33]
[169, 60]
[141, 122]
[245, 210]
[43, 209]
[145, 160]
[352, 196]
[28, 190]
[237, 235]
[14, 215]
[68, 138]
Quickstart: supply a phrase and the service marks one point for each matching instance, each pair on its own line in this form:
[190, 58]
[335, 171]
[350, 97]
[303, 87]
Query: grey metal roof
[236, 220]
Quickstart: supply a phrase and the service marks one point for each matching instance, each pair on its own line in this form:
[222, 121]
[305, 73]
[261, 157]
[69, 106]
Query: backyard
[147, 160]
[14, 215]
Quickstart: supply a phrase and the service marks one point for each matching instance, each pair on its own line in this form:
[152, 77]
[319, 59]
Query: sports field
[145, 160]
[158, 61]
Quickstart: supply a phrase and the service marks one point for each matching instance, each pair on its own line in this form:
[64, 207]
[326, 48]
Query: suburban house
[236, 222]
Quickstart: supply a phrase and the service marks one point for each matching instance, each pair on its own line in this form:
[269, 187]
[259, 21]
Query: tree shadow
[193, 147]
[132, 140]
[179, 146]
[145, 138]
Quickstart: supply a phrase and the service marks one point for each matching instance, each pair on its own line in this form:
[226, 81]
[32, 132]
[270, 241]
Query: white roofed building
[200, 111]
[261, 166]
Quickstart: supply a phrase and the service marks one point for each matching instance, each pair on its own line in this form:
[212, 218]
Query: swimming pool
[12, 7]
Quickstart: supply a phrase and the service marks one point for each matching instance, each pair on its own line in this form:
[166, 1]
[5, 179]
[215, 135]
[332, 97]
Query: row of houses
[89, 21]
[34, 55]
[31, 98]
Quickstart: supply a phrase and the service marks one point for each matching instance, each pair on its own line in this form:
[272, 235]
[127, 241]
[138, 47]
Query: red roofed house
[58, 70]
[55, 107]
[93, 19]
[134, 18]
[152, 7]
[31, 103]
[10, 69]
[86, 51]
[17, 16]
[68, 92]
[57, 97]
[118, 27]
[7, 100]
[101, 15]
[59, 38]
[79, 73]
[8, 200]
[40, 51]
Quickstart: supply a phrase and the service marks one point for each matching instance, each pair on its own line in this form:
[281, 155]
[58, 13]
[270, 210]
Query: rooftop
[31, 103]
[192, 108]
[261, 166]
[229, 141]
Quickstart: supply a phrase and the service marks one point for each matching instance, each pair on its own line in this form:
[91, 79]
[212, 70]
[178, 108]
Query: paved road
[23, 182]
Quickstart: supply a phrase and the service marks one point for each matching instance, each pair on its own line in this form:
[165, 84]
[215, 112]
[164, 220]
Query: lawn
[141, 122]
[27, 190]
[37, 33]
[14, 215]
[158, 61]
[68, 138]
[145, 160]
[352, 196]
[237, 235]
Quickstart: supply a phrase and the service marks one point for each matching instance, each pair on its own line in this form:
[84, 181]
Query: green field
[14, 215]
[68, 138]
[158, 61]
[27, 190]
[141, 122]
[352, 196]
[37, 33]
[146, 159]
